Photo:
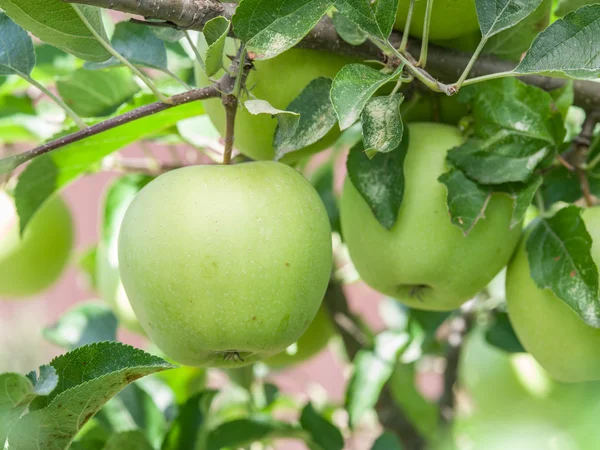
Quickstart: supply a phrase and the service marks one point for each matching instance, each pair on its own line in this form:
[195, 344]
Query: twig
[12, 162]
[140, 165]
[230, 102]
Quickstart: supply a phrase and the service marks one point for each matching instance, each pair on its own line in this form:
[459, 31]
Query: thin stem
[539, 201]
[194, 49]
[147, 81]
[406, 31]
[425, 40]
[230, 103]
[593, 163]
[179, 80]
[12, 162]
[467, 70]
[72, 114]
[491, 76]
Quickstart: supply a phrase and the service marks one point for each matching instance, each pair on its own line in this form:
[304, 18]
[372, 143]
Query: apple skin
[279, 81]
[314, 339]
[548, 329]
[226, 265]
[434, 108]
[30, 265]
[449, 18]
[424, 260]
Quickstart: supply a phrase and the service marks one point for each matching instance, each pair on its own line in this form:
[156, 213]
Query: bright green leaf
[215, 32]
[16, 48]
[498, 15]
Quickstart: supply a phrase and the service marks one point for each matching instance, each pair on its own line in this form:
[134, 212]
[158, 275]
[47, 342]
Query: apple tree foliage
[527, 136]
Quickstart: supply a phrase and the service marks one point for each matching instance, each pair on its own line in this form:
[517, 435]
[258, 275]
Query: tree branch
[13, 162]
[444, 63]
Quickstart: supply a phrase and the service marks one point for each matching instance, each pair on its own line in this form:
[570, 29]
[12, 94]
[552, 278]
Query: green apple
[449, 18]
[424, 260]
[314, 339]
[33, 263]
[434, 108]
[548, 329]
[226, 265]
[279, 81]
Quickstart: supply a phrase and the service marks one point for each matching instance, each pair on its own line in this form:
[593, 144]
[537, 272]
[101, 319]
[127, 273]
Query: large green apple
[548, 329]
[449, 18]
[279, 81]
[424, 260]
[310, 343]
[226, 265]
[33, 263]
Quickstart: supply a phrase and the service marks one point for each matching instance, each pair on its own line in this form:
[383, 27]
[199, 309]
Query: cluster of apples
[228, 265]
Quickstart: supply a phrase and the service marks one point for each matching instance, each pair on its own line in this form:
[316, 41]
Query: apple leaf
[49, 173]
[138, 44]
[560, 259]
[242, 432]
[323, 433]
[131, 440]
[111, 88]
[576, 35]
[515, 127]
[371, 370]
[382, 125]
[466, 199]
[16, 48]
[83, 324]
[522, 195]
[376, 18]
[270, 28]
[57, 23]
[564, 7]
[387, 441]
[348, 30]
[191, 416]
[502, 335]
[215, 32]
[352, 88]
[88, 377]
[287, 121]
[316, 118]
[380, 181]
[17, 392]
[497, 15]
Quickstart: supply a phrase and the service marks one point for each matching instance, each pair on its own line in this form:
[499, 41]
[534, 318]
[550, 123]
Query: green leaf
[501, 335]
[287, 121]
[466, 199]
[498, 15]
[522, 195]
[352, 88]
[516, 126]
[97, 93]
[57, 23]
[270, 28]
[380, 181]
[170, 35]
[49, 173]
[576, 35]
[323, 179]
[242, 432]
[323, 432]
[372, 369]
[130, 440]
[348, 30]
[559, 254]
[83, 324]
[566, 6]
[382, 125]
[16, 48]
[387, 441]
[138, 44]
[89, 376]
[184, 430]
[215, 32]
[16, 392]
[316, 118]
[376, 19]
[564, 98]
[86, 263]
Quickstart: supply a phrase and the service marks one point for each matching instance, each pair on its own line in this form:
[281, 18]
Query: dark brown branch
[391, 416]
[138, 113]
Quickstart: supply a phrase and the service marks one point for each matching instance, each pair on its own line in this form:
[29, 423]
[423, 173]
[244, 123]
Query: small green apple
[449, 18]
[226, 265]
[548, 329]
[314, 339]
[33, 263]
[279, 81]
[424, 260]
